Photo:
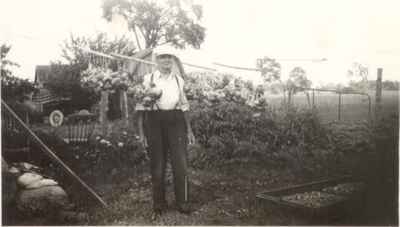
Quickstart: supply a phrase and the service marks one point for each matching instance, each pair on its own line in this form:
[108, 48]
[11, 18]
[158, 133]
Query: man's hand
[191, 139]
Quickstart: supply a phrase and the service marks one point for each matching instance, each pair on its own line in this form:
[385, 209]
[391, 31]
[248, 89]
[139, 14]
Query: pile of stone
[39, 196]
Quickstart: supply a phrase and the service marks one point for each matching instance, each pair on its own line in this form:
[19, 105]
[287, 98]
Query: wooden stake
[378, 96]
[339, 106]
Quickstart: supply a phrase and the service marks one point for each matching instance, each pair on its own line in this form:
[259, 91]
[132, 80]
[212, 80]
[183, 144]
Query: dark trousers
[166, 135]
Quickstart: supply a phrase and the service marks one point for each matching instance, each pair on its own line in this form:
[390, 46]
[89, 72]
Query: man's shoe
[184, 208]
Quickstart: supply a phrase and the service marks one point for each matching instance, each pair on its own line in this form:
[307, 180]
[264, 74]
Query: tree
[270, 69]
[359, 72]
[156, 23]
[5, 63]
[12, 87]
[296, 82]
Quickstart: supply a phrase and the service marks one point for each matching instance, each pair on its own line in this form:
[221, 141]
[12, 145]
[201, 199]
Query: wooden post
[339, 105]
[103, 111]
[124, 106]
[313, 98]
[378, 94]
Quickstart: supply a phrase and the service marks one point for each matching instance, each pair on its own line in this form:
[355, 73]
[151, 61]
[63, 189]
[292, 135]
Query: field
[353, 107]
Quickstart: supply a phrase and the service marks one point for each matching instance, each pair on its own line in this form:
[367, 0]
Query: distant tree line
[354, 86]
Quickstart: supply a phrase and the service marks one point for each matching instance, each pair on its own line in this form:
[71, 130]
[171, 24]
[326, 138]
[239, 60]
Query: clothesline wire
[236, 67]
[115, 56]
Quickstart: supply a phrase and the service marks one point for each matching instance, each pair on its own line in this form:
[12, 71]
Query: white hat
[165, 50]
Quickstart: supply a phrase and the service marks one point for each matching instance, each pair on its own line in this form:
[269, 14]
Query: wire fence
[334, 105]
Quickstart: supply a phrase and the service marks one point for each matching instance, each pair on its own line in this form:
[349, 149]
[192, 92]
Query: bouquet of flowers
[147, 96]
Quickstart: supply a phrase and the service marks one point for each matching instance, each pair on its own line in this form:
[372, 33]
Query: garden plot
[322, 200]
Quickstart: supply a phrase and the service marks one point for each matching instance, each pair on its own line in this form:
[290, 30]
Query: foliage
[359, 72]
[298, 78]
[210, 87]
[270, 69]
[5, 63]
[73, 48]
[296, 82]
[65, 82]
[65, 79]
[390, 85]
[172, 21]
[230, 130]
[99, 79]
[371, 85]
[12, 87]
[119, 152]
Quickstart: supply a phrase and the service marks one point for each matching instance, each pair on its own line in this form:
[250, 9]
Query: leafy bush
[13, 88]
[65, 82]
[231, 130]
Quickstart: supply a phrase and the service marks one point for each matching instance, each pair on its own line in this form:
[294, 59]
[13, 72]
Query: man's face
[164, 62]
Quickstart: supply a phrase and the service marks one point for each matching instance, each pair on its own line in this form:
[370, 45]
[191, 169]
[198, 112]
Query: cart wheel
[56, 118]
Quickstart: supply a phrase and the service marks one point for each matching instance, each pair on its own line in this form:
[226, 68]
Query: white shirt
[172, 97]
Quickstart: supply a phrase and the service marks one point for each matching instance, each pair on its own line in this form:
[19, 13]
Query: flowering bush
[103, 79]
[119, 150]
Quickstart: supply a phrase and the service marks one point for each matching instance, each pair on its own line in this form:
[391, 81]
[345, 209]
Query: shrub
[228, 130]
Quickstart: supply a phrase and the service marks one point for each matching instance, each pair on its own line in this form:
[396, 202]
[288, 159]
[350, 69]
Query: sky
[237, 33]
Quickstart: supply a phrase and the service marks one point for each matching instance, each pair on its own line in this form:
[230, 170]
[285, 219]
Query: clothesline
[236, 67]
[133, 58]
[99, 54]
[115, 56]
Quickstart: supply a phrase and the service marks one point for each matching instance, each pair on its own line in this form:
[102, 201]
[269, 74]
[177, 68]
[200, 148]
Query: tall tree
[158, 22]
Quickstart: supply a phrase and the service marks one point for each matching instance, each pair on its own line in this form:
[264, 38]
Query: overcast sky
[238, 32]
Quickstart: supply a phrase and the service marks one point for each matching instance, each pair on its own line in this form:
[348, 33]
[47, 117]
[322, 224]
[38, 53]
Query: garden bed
[323, 200]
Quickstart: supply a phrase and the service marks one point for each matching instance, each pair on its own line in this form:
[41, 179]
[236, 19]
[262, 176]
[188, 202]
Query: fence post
[313, 98]
[103, 111]
[124, 106]
[339, 105]
[378, 94]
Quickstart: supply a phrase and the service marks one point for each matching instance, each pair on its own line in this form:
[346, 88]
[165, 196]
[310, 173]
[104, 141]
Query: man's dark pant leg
[157, 154]
[177, 140]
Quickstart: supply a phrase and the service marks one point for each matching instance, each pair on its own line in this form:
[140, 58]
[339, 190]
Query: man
[164, 128]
